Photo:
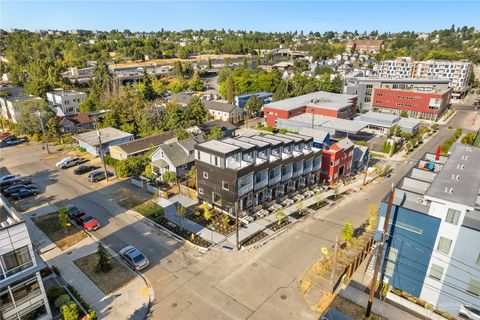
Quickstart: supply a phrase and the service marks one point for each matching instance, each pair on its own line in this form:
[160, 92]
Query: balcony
[307, 169]
[287, 175]
[260, 184]
[276, 179]
[245, 189]
[297, 173]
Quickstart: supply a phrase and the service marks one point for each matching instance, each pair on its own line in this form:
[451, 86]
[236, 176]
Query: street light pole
[236, 222]
[102, 156]
[43, 129]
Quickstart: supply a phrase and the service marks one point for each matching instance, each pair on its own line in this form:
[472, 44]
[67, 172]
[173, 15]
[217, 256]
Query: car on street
[14, 142]
[73, 211]
[134, 258]
[7, 138]
[87, 222]
[24, 193]
[84, 169]
[468, 312]
[9, 177]
[70, 162]
[98, 175]
[17, 187]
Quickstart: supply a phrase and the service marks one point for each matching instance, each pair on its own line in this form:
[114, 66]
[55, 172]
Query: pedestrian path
[129, 302]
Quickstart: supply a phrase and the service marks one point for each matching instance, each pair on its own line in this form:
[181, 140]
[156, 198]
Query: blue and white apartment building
[432, 249]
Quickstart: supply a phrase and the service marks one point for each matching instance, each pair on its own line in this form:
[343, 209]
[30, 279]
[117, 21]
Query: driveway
[259, 284]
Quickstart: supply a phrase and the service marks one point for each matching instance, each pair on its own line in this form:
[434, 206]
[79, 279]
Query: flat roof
[22, 98]
[320, 98]
[251, 140]
[378, 118]
[107, 135]
[239, 143]
[459, 179]
[409, 122]
[336, 124]
[402, 80]
[66, 92]
[267, 139]
[219, 146]
[316, 134]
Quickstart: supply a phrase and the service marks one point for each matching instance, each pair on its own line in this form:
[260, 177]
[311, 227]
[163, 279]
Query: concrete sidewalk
[129, 302]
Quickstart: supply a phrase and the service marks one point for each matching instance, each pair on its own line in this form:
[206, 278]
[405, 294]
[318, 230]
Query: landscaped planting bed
[318, 205]
[150, 210]
[224, 227]
[109, 281]
[275, 226]
[185, 234]
[255, 238]
[63, 238]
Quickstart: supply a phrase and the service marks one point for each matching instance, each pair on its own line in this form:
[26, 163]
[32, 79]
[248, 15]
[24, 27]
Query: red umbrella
[437, 155]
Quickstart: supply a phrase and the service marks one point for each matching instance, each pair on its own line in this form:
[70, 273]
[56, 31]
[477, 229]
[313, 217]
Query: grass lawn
[149, 209]
[476, 143]
[107, 282]
[50, 225]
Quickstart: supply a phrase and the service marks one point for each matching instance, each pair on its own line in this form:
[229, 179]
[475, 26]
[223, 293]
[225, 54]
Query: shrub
[86, 306]
[386, 147]
[54, 292]
[55, 269]
[82, 149]
[70, 311]
[61, 300]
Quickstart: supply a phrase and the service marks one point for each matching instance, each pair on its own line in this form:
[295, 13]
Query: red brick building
[418, 104]
[372, 46]
[320, 103]
[337, 161]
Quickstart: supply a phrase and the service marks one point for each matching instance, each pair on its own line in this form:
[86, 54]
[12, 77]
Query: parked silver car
[134, 258]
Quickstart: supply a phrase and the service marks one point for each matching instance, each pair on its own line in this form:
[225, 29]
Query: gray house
[176, 157]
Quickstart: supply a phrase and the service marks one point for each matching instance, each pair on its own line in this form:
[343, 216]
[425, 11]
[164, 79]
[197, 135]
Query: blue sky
[246, 15]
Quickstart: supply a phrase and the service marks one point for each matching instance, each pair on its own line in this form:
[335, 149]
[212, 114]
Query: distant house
[109, 136]
[360, 157]
[321, 138]
[66, 102]
[11, 106]
[227, 128]
[177, 157]
[264, 97]
[337, 161]
[77, 123]
[135, 147]
[224, 111]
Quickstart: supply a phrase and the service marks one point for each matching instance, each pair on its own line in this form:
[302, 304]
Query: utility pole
[102, 156]
[373, 287]
[334, 265]
[43, 129]
[236, 229]
[366, 167]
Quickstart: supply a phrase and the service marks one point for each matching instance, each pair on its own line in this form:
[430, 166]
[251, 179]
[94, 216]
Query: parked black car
[84, 169]
[13, 142]
[17, 187]
[73, 211]
[20, 180]
[24, 193]
[98, 175]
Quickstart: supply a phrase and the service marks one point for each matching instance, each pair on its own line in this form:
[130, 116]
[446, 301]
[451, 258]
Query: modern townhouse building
[363, 87]
[458, 72]
[66, 102]
[431, 248]
[22, 295]
[249, 171]
[11, 106]
[337, 161]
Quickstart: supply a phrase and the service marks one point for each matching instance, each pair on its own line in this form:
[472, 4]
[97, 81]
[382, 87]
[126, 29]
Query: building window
[216, 198]
[35, 311]
[436, 272]
[200, 190]
[474, 287]
[24, 291]
[6, 301]
[392, 259]
[205, 174]
[452, 216]
[444, 245]
[184, 166]
[16, 261]
[225, 185]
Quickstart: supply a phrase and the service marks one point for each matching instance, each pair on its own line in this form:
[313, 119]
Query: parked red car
[88, 222]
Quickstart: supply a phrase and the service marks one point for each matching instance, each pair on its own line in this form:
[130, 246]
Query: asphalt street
[259, 284]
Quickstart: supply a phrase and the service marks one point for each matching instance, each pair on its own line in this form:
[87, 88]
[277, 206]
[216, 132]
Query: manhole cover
[283, 297]
[174, 305]
[254, 264]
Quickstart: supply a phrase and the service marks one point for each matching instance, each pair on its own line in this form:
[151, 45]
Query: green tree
[180, 211]
[182, 134]
[281, 92]
[257, 62]
[226, 63]
[28, 121]
[245, 62]
[175, 116]
[63, 219]
[178, 70]
[230, 90]
[225, 221]
[170, 177]
[53, 129]
[215, 134]
[207, 213]
[253, 105]
[70, 311]
[279, 215]
[148, 90]
[196, 113]
[347, 232]
[404, 114]
[209, 64]
[103, 264]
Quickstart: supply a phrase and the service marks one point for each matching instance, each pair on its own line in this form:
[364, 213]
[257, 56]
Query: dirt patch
[64, 239]
[110, 281]
[221, 222]
[184, 233]
[128, 198]
[351, 309]
[275, 226]
[255, 238]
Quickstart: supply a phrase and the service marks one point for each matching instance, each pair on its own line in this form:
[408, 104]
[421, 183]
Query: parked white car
[69, 162]
[469, 313]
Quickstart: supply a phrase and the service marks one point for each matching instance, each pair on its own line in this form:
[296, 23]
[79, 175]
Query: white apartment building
[66, 102]
[22, 295]
[12, 105]
[458, 72]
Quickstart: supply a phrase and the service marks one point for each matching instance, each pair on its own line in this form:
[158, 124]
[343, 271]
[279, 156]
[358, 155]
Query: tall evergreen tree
[148, 90]
[103, 264]
[245, 62]
[178, 70]
[209, 63]
[196, 113]
[281, 92]
[253, 105]
[230, 89]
